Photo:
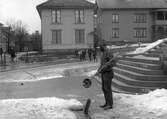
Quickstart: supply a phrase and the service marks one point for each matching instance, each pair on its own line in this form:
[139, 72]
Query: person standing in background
[12, 54]
[94, 53]
[90, 54]
[1, 53]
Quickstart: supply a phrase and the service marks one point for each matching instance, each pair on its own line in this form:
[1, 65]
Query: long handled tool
[87, 82]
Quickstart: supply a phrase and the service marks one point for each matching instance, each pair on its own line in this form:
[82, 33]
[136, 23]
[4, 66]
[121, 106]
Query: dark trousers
[106, 87]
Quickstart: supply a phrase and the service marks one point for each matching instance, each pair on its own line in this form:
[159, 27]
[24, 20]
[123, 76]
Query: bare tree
[17, 34]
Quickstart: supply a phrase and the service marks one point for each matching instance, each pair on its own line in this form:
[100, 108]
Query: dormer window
[56, 16]
[79, 16]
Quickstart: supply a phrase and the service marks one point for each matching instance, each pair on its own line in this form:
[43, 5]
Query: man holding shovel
[107, 75]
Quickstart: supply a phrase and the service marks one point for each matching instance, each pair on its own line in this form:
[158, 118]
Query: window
[165, 15]
[56, 16]
[140, 32]
[79, 36]
[100, 19]
[79, 16]
[56, 36]
[140, 18]
[115, 32]
[160, 16]
[115, 18]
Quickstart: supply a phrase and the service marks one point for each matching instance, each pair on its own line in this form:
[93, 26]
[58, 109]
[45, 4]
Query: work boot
[108, 107]
[102, 106]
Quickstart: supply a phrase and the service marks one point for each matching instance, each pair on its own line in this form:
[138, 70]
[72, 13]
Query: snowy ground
[42, 108]
[148, 106]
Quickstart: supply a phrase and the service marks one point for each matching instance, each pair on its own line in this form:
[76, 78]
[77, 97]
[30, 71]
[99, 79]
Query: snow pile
[91, 73]
[49, 76]
[147, 106]
[126, 106]
[154, 101]
[40, 108]
[148, 47]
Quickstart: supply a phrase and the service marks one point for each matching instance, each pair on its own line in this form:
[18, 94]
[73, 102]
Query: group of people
[11, 52]
[90, 54]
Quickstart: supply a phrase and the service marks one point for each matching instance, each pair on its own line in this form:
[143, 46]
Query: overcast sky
[24, 10]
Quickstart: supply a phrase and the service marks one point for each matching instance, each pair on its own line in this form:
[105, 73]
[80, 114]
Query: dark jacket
[107, 56]
[1, 51]
[12, 53]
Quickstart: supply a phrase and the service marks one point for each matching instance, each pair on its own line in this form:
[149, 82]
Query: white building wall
[68, 27]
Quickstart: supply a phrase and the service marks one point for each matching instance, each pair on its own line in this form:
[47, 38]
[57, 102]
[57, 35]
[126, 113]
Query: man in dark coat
[12, 54]
[1, 52]
[107, 75]
[90, 54]
[94, 52]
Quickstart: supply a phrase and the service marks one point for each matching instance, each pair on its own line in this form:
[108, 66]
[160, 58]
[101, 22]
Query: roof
[66, 4]
[111, 4]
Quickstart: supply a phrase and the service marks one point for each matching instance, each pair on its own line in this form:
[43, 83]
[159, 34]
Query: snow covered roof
[112, 4]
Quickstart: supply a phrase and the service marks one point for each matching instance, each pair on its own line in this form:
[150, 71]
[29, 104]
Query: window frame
[140, 33]
[140, 18]
[54, 16]
[80, 18]
[81, 36]
[115, 18]
[57, 40]
[160, 17]
[163, 17]
[115, 31]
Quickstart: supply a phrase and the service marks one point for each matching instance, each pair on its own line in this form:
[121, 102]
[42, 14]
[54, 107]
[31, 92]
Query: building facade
[66, 24]
[132, 20]
[4, 41]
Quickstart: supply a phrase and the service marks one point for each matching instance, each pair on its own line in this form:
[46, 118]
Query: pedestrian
[107, 75]
[1, 53]
[84, 54]
[12, 54]
[94, 52]
[90, 54]
[80, 55]
[76, 53]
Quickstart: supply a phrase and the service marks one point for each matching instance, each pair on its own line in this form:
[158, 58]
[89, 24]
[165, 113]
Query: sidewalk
[22, 65]
[18, 64]
[48, 70]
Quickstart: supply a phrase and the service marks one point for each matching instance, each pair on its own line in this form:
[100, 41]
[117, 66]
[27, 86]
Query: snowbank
[142, 50]
[91, 73]
[147, 106]
[40, 108]
[153, 101]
